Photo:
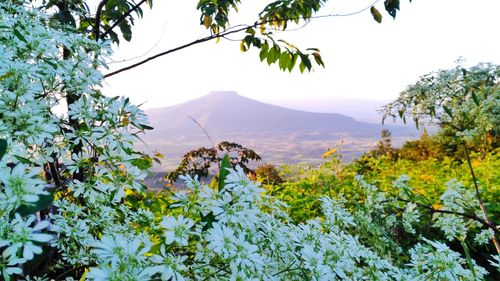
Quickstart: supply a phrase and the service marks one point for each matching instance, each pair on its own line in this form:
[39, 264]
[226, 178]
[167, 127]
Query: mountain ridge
[227, 112]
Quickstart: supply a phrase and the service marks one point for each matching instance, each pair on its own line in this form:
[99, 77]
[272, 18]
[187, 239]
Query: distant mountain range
[279, 134]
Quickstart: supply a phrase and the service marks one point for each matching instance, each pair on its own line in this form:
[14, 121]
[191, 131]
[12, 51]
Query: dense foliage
[198, 162]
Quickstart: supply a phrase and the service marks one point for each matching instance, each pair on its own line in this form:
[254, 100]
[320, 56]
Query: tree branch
[218, 35]
[481, 204]
[465, 215]
[122, 18]
[204, 39]
[97, 25]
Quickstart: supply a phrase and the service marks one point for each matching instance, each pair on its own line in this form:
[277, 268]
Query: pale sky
[363, 59]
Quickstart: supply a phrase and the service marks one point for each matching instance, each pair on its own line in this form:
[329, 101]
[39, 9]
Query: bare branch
[204, 39]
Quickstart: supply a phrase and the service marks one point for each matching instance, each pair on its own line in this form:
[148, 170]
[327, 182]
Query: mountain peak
[223, 94]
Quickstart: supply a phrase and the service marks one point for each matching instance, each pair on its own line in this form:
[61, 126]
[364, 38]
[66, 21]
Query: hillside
[279, 134]
[228, 112]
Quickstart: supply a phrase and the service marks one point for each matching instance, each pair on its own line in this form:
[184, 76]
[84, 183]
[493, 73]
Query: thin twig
[203, 129]
[478, 194]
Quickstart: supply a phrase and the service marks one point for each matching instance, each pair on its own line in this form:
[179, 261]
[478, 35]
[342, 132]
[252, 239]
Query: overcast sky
[363, 59]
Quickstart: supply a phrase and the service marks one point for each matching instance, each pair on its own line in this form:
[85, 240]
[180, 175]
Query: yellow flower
[329, 152]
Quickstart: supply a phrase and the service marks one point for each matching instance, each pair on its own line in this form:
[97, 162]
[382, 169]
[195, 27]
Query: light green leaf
[225, 165]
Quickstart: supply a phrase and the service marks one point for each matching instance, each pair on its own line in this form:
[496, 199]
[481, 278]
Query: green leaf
[225, 165]
[242, 46]
[306, 61]
[284, 60]
[19, 35]
[302, 67]
[448, 111]
[468, 258]
[377, 16]
[43, 202]
[263, 52]
[391, 6]
[126, 30]
[293, 61]
[65, 17]
[6, 75]
[143, 163]
[475, 99]
[272, 55]
[23, 160]
[209, 220]
[250, 31]
[145, 127]
[155, 249]
[3, 147]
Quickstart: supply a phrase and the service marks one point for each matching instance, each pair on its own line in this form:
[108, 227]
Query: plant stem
[478, 194]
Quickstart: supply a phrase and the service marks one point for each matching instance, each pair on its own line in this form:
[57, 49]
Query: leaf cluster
[199, 161]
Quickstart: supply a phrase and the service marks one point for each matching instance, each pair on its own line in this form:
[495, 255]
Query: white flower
[484, 237]
[24, 237]
[177, 229]
[8, 266]
[410, 217]
[169, 266]
[220, 239]
[20, 186]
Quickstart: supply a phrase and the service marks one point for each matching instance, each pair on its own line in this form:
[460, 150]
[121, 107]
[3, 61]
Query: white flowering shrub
[238, 233]
[65, 178]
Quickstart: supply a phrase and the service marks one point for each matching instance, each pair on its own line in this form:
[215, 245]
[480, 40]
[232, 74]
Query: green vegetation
[73, 203]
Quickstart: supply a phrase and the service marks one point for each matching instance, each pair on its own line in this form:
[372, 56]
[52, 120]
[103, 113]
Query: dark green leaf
[306, 61]
[250, 31]
[65, 17]
[475, 99]
[448, 111]
[209, 219]
[145, 127]
[43, 202]
[392, 6]
[3, 147]
[23, 160]
[126, 30]
[19, 35]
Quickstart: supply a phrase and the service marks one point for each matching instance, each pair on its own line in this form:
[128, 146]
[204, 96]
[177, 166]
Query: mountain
[229, 113]
[280, 135]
